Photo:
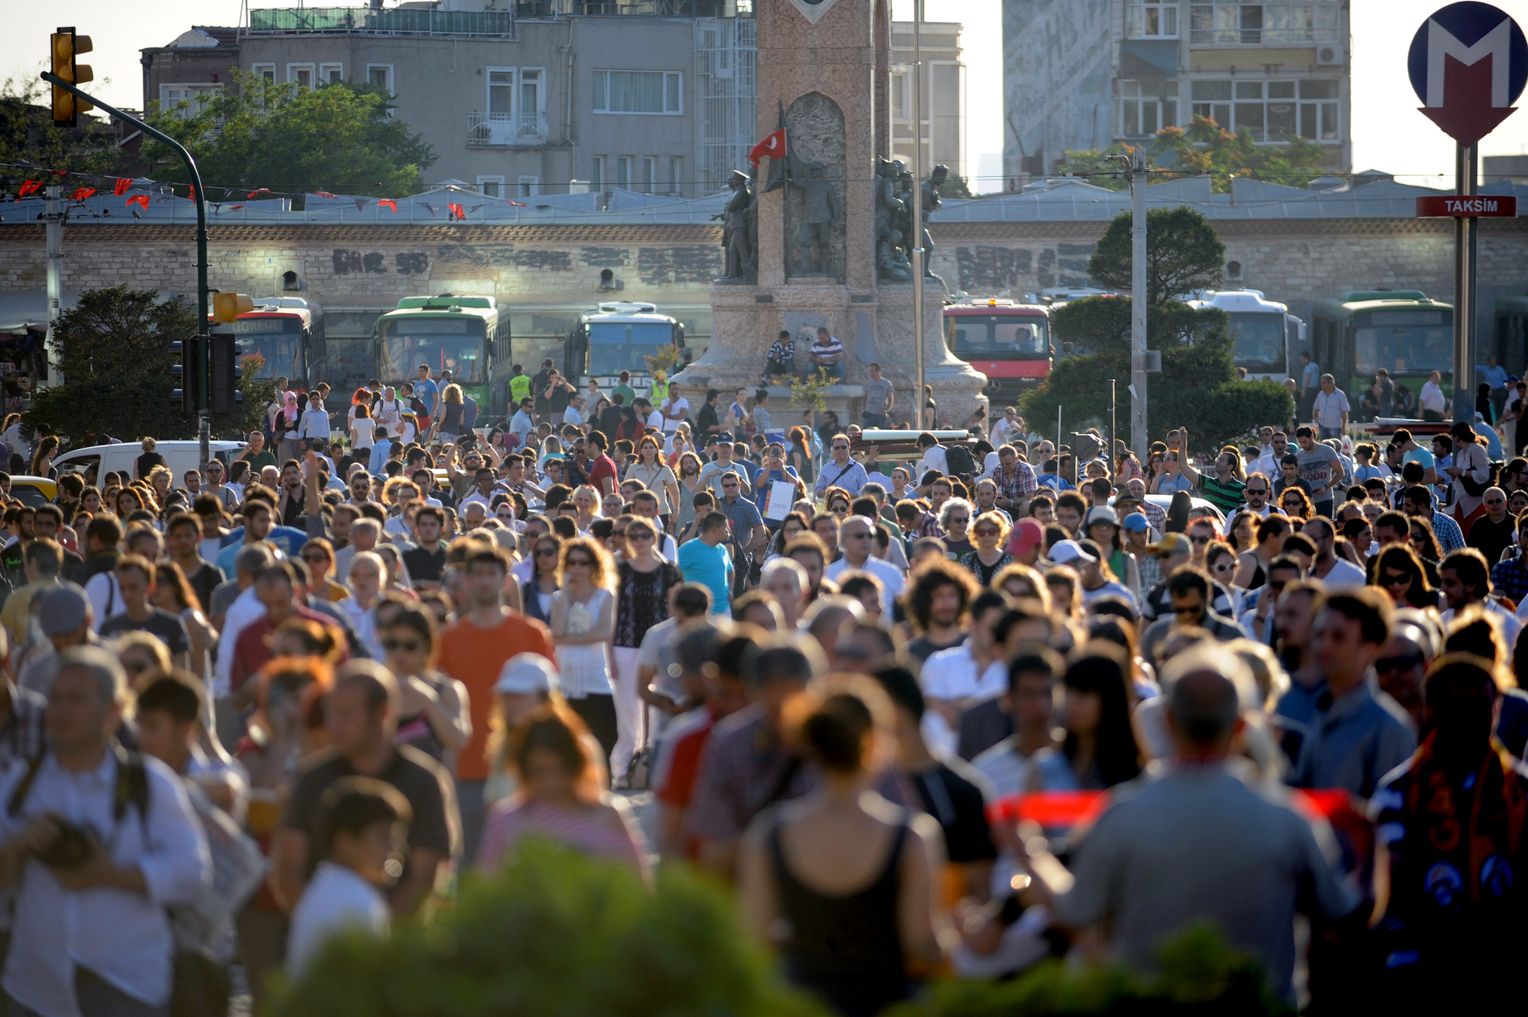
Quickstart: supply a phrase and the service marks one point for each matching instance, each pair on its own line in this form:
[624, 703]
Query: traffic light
[225, 373]
[227, 307]
[188, 370]
[65, 50]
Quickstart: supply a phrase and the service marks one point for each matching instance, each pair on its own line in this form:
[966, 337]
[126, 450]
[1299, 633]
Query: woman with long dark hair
[1399, 574]
[643, 582]
[1099, 747]
[800, 455]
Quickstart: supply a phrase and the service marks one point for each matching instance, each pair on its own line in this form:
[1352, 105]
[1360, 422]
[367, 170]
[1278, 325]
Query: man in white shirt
[1007, 428]
[675, 409]
[840, 471]
[857, 540]
[958, 678]
[932, 458]
[1331, 408]
[315, 420]
[90, 932]
[1431, 400]
[1336, 572]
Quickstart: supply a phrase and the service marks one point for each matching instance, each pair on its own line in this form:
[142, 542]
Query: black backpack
[958, 458]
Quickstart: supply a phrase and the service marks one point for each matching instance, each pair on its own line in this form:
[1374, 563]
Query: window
[649, 174]
[265, 72]
[516, 93]
[380, 76]
[1271, 110]
[532, 98]
[1265, 23]
[301, 74]
[1146, 107]
[529, 186]
[648, 92]
[902, 94]
[491, 186]
[676, 174]
[194, 96]
[501, 93]
[597, 173]
[622, 177]
[330, 74]
[1152, 19]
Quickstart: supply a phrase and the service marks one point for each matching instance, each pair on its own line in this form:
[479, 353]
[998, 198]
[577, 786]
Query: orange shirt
[474, 656]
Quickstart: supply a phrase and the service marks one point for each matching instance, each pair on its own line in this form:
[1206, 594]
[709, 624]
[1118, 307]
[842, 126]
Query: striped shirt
[22, 737]
[1223, 494]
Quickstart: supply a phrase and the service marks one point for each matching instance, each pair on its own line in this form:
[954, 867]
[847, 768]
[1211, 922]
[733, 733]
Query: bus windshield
[278, 341]
[452, 344]
[1257, 343]
[997, 337]
[616, 346]
[1402, 342]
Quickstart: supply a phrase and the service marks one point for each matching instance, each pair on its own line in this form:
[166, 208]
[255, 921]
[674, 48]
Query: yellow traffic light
[227, 307]
[65, 50]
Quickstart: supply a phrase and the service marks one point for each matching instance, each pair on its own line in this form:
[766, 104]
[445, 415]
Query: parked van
[179, 456]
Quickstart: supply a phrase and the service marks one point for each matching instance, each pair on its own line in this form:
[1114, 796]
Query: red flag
[191, 191]
[456, 210]
[387, 203]
[121, 186]
[257, 192]
[29, 187]
[322, 194]
[81, 193]
[58, 173]
[141, 200]
[516, 204]
[773, 146]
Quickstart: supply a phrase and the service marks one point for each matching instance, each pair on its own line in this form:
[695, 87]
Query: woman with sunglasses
[1220, 562]
[582, 624]
[792, 526]
[1399, 574]
[1296, 504]
[536, 592]
[643, 582]
[988, 557]
[432, 707]
[775, 470]
[1424, 542]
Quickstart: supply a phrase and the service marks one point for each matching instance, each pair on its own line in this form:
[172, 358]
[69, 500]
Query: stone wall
[1294, 261]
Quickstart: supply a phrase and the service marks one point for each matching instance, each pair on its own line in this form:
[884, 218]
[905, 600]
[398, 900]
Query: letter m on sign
[1495, 47]
[1468, 63]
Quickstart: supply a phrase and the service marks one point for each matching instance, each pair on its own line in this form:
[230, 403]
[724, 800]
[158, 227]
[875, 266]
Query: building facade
[1083, 74]
[943, 127]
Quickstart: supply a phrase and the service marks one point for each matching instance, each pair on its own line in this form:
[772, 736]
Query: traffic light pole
[204, 420]
[55, 228]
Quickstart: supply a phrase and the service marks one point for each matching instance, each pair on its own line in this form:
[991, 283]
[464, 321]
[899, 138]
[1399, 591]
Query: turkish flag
[29, 187]
[141, 200]
[257, 192]
[773, 146]
[121, 186]
[388, 203]
[456, 210]
[81, 193]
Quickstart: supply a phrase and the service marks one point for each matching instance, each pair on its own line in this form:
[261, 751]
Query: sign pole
[1464, 290]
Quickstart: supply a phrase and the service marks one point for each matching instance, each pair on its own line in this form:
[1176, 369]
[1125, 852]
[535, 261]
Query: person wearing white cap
[526, 681]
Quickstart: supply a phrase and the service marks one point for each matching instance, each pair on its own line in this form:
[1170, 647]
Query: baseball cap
[1134, 522]
[527, 673]
[62, 609]
[1171, 542]
[1064, 552]
[1100, 514]
[1027, 534]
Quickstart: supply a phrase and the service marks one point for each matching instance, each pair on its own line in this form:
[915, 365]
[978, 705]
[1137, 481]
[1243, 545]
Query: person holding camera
[96, 843]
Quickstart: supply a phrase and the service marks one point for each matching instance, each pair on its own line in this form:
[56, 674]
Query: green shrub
[1199, 975]
[557, 935]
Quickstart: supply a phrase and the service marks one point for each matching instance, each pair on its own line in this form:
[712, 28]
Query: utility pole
[920, 403]
[1138, 432]
[55, 230]
[1466, 181]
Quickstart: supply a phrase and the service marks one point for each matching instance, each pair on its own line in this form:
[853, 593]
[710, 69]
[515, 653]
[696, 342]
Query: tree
[1204, 149]
[293, 140]
[28, 135]
[114, 352]
[1183, 254]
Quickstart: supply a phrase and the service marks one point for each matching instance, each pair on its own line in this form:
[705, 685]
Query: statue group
[894, 226]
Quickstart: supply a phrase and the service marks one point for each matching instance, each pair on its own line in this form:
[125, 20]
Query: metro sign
[1468, 64]
[1467, 206]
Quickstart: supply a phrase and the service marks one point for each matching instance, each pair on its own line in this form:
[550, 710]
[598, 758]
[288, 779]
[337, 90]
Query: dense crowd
[296, 691]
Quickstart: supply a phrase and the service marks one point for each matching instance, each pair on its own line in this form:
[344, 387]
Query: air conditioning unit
[1330, 56]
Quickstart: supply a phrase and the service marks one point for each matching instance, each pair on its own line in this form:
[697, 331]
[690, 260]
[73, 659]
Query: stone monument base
[874, 326]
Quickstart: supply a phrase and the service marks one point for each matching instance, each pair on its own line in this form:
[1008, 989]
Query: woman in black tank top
[842, 880]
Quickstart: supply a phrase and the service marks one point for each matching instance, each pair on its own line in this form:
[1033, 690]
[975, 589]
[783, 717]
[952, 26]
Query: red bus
[1010, 343]
[287, 332]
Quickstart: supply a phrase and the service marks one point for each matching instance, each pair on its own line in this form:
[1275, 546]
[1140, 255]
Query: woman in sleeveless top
[642, 593]
[582, 623]
[536, 592]
[432, 707]
[842, 881]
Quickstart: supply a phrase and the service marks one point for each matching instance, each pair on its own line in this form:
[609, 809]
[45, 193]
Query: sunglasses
[546, 552]
[641, 535]
[1394, 579]
[837, 448]
[1402, 662]
[959, 519]
[1201, 539]
[585, 562]
[1257, 490]
[402, 645]
[987, 531]
[315, 557]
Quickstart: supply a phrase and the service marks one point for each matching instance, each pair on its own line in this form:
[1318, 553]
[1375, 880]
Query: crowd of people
[297, 691]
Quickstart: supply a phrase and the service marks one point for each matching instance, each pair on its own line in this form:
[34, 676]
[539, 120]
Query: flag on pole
[387, 203]
[121, 186]
[455, 210]
[779, 165]
[81, 193]
[141, 200]
[773, 146]
[29, 187]
[255, 193]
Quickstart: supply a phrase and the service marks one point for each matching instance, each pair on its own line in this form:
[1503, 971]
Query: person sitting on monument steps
[828, 354]
[782, 356]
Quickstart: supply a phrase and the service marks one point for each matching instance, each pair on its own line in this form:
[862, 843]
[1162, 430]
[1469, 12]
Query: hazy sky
[1388, 133]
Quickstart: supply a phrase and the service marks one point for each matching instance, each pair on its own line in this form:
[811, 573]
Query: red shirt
[474, 656]
[601, 468]
[678, 788]
[252, 651]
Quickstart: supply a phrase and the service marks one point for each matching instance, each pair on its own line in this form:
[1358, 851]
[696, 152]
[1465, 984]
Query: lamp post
[920, 403]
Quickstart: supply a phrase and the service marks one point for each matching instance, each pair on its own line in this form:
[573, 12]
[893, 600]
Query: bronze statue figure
[738, 230]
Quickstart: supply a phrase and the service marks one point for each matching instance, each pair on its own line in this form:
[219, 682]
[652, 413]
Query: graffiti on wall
[348, 261]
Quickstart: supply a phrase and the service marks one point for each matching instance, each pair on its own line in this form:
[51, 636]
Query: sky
[1388, 132]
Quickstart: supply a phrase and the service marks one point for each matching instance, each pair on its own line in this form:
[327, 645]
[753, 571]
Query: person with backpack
[96, 843]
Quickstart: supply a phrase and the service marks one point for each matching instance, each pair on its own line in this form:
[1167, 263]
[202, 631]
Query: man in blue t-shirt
[426, 390]
[705, 560]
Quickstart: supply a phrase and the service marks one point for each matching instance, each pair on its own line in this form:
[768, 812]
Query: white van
[179, 456]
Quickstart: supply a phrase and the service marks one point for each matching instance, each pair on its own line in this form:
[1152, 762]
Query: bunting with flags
[454, 210]
[387, 203]
[141, 200]
[81, 193]
[29, 187]
[121, 186]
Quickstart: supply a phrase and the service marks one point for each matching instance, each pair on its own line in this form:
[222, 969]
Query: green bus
[1402, 331]
[463, 334]
[1509, 334]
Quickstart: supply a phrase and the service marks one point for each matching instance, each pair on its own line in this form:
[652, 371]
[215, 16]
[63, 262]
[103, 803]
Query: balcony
[371, 21]
[506, 130]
